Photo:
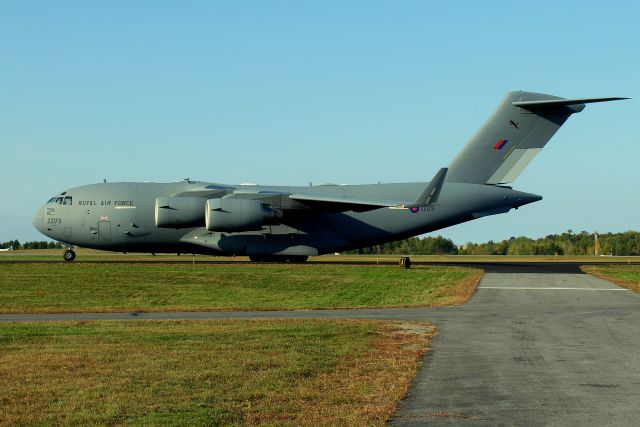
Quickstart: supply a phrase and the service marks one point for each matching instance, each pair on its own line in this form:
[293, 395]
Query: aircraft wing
[342, 203]
[324, 203]
[300, 201]
[345, 203]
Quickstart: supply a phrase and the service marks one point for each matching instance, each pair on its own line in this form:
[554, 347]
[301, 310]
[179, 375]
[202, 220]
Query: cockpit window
[61, 200]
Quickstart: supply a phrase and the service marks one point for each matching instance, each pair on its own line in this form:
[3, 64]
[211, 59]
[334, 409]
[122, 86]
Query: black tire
[296, 259]
[69, 255]
[405, 262]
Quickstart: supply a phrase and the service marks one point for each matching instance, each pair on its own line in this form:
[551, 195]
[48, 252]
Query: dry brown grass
[627, 276]
[363, 389]
[464, 290]
[276, 372]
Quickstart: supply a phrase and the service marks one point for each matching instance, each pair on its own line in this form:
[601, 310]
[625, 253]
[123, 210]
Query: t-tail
[503, 147]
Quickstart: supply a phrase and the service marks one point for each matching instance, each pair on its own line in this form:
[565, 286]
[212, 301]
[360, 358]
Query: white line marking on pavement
[552, 289]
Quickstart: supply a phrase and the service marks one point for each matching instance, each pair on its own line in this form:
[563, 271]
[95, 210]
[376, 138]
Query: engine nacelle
[237, 215]
[180, 212]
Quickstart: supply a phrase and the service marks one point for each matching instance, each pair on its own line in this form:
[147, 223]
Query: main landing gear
[293, 259]
[69, 255]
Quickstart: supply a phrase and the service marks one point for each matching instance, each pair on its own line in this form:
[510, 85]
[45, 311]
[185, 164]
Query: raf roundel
[414, 209]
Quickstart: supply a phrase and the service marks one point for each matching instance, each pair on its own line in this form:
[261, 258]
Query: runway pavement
[533, 349]
[528, 349]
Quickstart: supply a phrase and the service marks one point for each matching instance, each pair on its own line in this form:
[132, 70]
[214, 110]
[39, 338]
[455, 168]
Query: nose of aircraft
[38, 220]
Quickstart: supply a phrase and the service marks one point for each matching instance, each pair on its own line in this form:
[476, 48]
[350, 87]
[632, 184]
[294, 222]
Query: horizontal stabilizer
[563, 102]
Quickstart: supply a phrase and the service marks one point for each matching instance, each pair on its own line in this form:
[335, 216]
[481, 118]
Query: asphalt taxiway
[530, 348]
[533, 349]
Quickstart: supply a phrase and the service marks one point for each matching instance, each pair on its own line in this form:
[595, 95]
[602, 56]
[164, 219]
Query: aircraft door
[104, 231]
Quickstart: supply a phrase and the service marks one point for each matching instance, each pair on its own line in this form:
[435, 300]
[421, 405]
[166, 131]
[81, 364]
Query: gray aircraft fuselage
[295, 222]
[120, 217]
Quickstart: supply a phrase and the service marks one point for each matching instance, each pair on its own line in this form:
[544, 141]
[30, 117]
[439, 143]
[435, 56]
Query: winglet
[431, 193]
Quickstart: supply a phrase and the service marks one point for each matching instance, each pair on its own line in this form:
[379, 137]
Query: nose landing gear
[69, 255]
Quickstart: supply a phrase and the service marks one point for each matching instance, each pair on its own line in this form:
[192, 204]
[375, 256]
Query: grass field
[627, 276]
[295, 372]
[90, 287]
[91, 255]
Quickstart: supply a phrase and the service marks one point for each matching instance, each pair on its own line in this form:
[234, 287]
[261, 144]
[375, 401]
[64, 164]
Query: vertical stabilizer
[523, 123]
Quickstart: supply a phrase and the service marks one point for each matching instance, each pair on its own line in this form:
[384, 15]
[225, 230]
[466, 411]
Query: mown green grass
[627, 276]
[88, 287]
[93, 255]
[274, 372]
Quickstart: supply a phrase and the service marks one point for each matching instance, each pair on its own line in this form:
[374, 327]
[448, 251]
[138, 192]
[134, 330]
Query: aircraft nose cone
[38, 220]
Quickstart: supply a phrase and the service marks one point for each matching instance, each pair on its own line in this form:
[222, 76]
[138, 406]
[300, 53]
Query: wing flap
[342, 203]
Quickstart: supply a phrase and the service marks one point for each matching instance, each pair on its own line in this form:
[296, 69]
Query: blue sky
[290, 92]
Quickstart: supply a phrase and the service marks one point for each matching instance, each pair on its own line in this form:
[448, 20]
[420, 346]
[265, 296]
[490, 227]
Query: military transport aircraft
[273, 223]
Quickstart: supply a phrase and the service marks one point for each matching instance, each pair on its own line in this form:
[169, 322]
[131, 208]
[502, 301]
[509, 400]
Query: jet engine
[237, 215]
[179, 212]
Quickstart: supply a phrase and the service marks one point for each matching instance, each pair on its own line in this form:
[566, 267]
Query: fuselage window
[67, 200]
[59, 200]
[52, 200]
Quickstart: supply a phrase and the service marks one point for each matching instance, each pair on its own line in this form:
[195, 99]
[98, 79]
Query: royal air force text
[116, 203]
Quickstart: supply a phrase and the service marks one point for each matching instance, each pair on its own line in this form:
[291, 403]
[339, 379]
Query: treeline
[412, 246]
[568, 243]
[16, 245]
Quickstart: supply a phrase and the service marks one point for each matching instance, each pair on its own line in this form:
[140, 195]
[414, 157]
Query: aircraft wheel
[69, 255]
[297, 259]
